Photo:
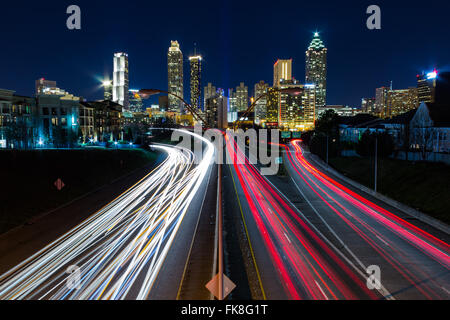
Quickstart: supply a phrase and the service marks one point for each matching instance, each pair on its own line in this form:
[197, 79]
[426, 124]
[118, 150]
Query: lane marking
[248, 237]
[321, 290]
[287, 237]
[193, 238]
[383, 290]
[382, 240]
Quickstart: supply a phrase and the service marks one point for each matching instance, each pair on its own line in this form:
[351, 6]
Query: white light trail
[121, 248]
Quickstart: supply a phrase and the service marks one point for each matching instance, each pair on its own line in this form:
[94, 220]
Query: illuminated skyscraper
[175, 76]
[216, 111]
[368, 105]
[401, 101]
[120, 79]
[316, 69]
[208, 92]
[426, 86]
[107, 90]
[196, 72]
[282, 71]
[273, 102]
[297, 110]
[241, 97]
[261, 101]
[381, 96]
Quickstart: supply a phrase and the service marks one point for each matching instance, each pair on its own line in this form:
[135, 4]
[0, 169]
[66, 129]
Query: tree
[328, 123]
[325, 135]
[18, 134]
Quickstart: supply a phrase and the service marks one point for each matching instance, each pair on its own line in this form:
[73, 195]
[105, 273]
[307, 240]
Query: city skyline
[354, 52]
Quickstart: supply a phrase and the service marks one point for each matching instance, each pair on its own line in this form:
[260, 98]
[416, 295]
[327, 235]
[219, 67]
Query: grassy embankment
[420, 185]
[27, 178]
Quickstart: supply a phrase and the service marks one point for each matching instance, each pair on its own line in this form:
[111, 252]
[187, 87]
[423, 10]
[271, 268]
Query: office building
[401, 101]
[241, 97]
[316, 69]
[107, 90]
[273, 99]
[297, 111]
[260, 102]
[208, 92]
[282, 71]
[121, 80]
[426, 86]
[216, 111]
[135, 101]
[368, 105]
[195, 81]
[43, 86]
[381, 95]
[175, 77]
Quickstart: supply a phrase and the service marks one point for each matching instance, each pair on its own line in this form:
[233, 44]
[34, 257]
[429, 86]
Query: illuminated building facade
[48, 87]
[43, 86]
[195, 81]
[282, 71]
[241, 97]
[120, 79]
[401, 101]
[216, 111]
[107, 90]
[368, 105]
[175, 76]
[297, 111]
[261, 102]
[17, 111]
[135, 101]
[273, 98]
[381, 96]
[426, 86]
[316, 69]
[208, 92]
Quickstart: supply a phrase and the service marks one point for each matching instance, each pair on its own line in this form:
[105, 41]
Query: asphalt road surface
[413, 263]
[334, 246]
[121, 251]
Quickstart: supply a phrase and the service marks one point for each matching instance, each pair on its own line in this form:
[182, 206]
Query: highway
[120, 251]
[414, 264]
[293, 260]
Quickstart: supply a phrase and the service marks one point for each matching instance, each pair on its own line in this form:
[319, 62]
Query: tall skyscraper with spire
[195, 62]
[316, 69]
[175, 76]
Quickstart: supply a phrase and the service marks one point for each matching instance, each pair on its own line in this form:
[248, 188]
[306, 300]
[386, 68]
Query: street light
[146, 93]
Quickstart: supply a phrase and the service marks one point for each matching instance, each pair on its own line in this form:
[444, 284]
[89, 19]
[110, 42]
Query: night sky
[239, 40]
